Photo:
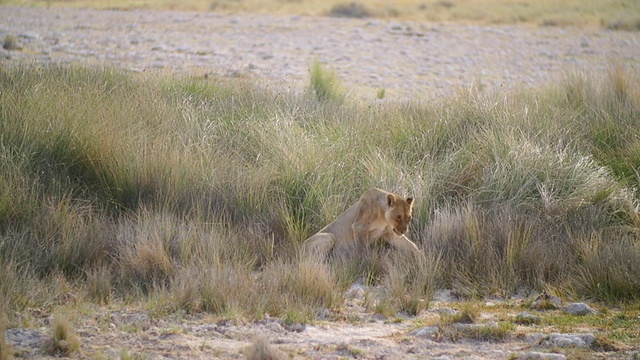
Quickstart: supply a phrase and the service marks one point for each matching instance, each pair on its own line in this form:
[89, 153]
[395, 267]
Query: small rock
[471, 327]
[296, 327]
[323, 314]
[428, 332]
[546, 302]
[139, 320]
[27, 341]
[526, 318]
[274, 326]
[356, 291]
[63, 346]
[444, 295]
[567, 340]
[533, 338]
[584, 42]
[445, 311]
[579, 309]
[534, 355]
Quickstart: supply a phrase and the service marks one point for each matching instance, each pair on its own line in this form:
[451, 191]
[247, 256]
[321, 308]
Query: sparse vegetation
[615, 328]
[463, 325]
[617, 15]
[467, 315]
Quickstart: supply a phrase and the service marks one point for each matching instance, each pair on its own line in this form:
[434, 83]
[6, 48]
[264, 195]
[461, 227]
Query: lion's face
[399, 213]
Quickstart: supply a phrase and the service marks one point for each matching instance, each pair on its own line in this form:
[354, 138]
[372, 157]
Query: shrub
[10, 42]
[351, 10]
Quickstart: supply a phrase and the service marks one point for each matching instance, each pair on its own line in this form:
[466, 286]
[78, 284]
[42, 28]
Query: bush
[324, 84]
[351, 10]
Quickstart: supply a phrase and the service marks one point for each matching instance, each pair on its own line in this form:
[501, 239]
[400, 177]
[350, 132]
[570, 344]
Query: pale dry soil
[406, 59]
[116, 332]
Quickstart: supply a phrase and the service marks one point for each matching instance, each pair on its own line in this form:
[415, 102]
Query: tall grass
[200, 191]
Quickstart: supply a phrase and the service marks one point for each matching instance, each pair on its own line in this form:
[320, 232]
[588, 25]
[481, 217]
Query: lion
[377, 215]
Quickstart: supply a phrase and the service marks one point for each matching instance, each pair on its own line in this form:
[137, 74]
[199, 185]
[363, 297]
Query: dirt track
[407, 59]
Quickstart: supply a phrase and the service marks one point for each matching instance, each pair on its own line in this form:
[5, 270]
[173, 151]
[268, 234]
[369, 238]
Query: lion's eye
[399, 217]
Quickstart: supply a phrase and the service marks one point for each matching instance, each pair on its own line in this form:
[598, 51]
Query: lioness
[378, 215]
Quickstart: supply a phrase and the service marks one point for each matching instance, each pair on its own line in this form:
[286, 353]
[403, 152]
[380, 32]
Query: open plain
[406, 59]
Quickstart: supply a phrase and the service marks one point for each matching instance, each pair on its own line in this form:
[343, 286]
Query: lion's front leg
[360, 235]
[403, 244]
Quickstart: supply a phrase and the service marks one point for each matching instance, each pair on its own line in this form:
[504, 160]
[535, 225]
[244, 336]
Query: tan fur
[377, 215]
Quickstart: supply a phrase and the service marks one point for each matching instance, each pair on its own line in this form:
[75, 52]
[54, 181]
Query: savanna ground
[161, 216]
[615, 14]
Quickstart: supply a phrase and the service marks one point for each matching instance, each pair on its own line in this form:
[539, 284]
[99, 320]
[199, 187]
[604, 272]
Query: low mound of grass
[200, 191]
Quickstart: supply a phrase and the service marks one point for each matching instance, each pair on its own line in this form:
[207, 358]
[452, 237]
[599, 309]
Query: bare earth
[408, 60]
[352, 332]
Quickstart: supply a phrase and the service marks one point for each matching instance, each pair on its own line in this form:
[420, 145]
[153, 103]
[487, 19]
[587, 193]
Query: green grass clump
[463, 325]
[197, 193]
[323, 84]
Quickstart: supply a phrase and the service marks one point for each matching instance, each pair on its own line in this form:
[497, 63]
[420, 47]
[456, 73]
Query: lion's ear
[409, 200]
[390, 200]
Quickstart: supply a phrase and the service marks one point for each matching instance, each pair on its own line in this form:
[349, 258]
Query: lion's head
[399, 213]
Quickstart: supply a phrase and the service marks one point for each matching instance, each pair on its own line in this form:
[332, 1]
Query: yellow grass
[543, 12]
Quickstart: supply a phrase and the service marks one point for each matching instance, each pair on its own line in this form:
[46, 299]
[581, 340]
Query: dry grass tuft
[100, 284]
[410, 282]
[261, 349]
[64, 339]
